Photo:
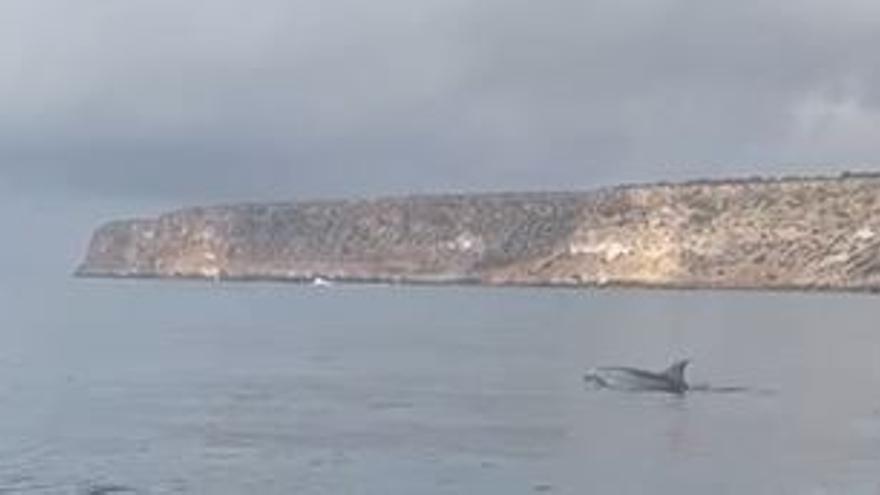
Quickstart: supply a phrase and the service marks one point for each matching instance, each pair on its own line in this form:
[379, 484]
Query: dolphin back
[633, 379]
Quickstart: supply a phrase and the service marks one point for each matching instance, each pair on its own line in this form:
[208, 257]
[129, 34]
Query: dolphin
[670, 380]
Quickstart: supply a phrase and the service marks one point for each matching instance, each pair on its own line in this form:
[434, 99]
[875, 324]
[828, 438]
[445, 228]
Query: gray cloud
[289, 98]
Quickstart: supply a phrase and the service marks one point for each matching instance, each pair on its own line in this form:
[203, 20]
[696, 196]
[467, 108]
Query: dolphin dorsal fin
[676, 371]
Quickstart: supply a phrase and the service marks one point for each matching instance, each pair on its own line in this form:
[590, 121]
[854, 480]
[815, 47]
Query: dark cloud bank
[235, 99]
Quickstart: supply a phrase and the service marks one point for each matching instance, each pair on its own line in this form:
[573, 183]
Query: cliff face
[794, 233]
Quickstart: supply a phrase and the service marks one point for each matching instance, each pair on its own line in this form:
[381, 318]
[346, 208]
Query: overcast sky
[184, 101]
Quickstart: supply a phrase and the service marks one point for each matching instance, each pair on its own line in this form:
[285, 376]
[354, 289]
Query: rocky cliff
[793, 233]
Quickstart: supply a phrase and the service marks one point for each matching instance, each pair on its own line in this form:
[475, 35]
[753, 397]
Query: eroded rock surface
[796, 233]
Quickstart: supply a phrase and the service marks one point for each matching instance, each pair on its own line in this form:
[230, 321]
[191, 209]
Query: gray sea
[151, 387]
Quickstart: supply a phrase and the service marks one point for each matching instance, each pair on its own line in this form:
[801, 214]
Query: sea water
[190, 387]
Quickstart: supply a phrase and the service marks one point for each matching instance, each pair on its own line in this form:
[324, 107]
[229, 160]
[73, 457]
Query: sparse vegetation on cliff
[808, 233]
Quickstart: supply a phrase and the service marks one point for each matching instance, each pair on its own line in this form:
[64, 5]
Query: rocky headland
[790, 233]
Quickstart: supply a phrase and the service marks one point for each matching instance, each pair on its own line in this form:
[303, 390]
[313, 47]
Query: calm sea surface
[179, 387]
